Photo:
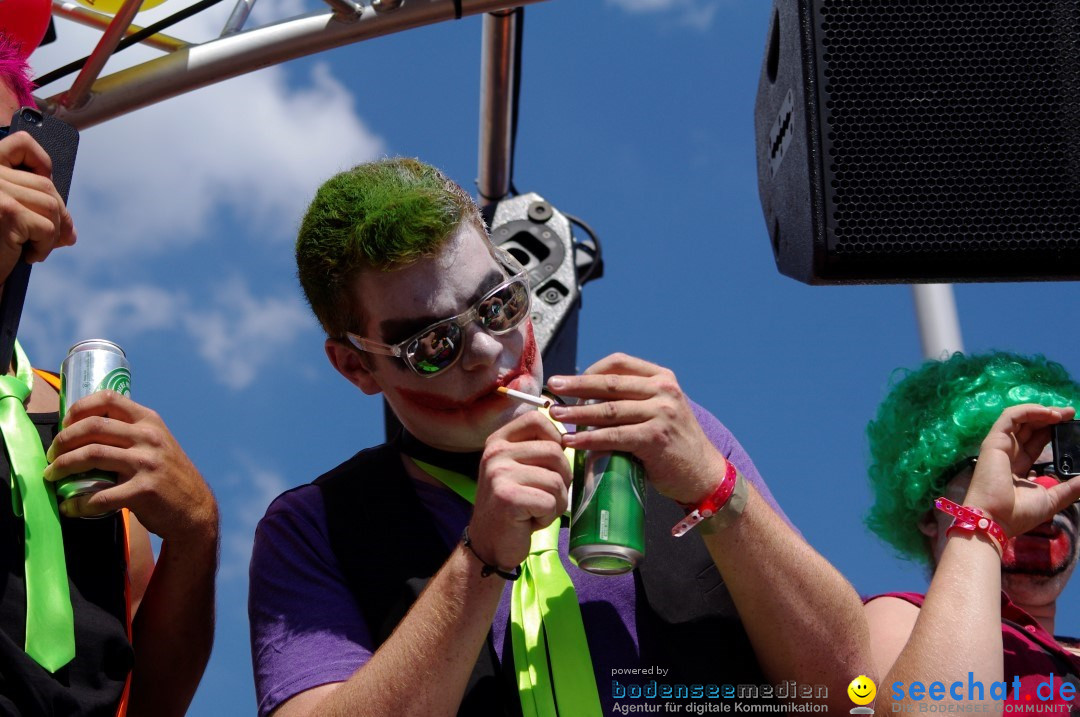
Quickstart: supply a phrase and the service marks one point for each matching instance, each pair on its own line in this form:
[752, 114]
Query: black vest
[686, 620]
[92, 683]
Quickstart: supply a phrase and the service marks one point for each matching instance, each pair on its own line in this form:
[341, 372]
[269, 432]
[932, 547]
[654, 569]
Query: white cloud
[698, 14]
[248, 493]
[236, 332]
[253, 148]
[154, 190]
[240, 333]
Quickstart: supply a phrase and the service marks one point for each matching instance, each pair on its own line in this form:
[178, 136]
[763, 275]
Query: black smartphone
[59, 140]
[1066, 445]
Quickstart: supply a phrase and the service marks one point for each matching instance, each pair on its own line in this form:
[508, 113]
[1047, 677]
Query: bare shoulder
[891, 620]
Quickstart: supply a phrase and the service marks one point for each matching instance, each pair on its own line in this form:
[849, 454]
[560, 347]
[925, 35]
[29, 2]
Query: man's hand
[1000, 486]
[642, 411]
[156, 480]
[524, 477]
[32, 214]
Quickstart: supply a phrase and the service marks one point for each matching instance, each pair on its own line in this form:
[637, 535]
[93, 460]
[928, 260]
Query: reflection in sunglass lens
[503, 310]
[436, 349]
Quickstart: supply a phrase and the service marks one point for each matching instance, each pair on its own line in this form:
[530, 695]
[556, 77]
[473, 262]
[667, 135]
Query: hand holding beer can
[607, 516]
[91, 366]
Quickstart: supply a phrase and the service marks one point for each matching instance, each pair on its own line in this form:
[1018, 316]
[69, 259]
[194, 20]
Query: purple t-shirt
[307, 630]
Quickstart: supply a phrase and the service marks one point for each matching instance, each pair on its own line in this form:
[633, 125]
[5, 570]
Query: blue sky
[637, 115]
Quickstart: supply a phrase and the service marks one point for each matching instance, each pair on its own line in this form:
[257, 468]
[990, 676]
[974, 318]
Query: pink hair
[15, 73]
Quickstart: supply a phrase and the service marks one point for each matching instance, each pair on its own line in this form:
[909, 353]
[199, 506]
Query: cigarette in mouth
[538, 401]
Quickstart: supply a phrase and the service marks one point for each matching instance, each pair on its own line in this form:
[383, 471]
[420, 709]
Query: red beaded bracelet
[972, 520]
[711, 505]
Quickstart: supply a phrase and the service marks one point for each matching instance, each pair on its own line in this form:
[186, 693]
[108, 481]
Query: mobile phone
[1066, 445]
[59, 140]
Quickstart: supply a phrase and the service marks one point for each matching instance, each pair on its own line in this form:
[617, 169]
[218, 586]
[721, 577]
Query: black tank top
[92, 683]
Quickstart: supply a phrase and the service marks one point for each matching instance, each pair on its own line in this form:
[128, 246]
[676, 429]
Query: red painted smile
[1046, 550]
[486, 397]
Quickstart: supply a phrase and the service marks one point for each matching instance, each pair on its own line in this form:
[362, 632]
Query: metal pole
[220, 59]
[939, 323]
[497, 67]
[80, 88]
[239, 16]
[100, 21]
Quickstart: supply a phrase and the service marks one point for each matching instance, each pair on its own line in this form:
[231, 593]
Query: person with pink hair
[141, 633]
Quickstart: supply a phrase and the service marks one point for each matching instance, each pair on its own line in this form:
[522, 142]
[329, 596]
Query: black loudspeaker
[921, 140]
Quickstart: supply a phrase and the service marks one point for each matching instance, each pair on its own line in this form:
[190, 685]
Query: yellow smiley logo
[862, 690]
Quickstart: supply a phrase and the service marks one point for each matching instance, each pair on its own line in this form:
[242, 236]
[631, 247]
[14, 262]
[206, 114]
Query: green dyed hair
[377, 216]
[938, 415]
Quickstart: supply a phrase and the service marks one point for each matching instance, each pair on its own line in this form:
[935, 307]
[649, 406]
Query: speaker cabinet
[921, 140]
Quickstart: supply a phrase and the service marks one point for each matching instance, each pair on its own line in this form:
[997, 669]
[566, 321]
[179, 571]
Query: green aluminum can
[91, 366]
[607, 516]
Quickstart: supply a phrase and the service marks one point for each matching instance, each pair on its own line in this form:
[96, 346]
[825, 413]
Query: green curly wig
[377, 216]
[938, 415]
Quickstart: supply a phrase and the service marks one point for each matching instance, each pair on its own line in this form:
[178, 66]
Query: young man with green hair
[974, 430]
[381, 588]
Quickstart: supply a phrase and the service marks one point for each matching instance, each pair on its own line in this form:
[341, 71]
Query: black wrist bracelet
[488, 569]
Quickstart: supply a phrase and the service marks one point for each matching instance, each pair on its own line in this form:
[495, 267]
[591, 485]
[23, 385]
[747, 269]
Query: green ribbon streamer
[50, 625]
[545, 624]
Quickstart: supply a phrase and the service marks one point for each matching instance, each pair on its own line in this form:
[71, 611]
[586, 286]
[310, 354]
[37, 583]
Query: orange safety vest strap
[121, 711]
[49, 377]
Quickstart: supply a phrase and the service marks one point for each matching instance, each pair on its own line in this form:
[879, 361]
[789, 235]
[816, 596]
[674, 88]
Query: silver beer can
[91, 366]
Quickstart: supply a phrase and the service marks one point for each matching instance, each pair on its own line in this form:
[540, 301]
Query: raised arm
[173, 628]
[803, 618]
[958, 629]
[425, 665]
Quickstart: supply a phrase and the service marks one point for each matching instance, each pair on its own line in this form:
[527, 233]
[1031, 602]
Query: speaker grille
[949, 127]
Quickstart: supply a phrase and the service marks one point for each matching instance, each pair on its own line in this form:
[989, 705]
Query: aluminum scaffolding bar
[497, 68]
[939, 322]
[79, 92]
[197, 66]
[83, 16]
[239, 16]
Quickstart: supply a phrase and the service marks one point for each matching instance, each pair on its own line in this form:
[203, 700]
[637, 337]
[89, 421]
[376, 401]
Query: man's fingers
[542, 454]
[536, 504]
[22, 150]
[100, 503]
[109, 404]
[1063, 494]
[95, 456]
[605, 386]
[532, 426]
[604, 413]
[1014, 418]
[612, 438]
[93, 429]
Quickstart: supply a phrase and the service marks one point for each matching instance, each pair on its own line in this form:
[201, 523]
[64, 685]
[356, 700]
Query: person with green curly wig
[971, 435]
[394, 584]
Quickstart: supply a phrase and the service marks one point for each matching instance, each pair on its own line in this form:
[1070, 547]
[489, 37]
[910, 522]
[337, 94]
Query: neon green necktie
[50, 627]
[545, 624]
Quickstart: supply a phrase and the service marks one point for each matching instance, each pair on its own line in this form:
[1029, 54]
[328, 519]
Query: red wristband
[711, 505]
[972, 520]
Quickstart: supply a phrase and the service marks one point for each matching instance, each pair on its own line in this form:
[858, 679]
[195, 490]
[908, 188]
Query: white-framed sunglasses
[436, 348]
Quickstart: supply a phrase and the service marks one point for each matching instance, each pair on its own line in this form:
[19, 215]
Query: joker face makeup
[458, 408]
